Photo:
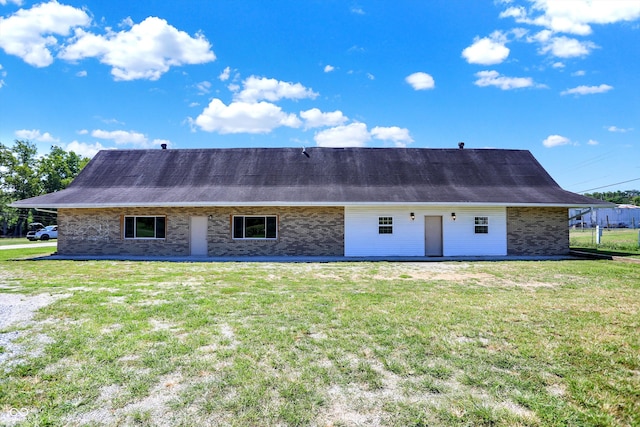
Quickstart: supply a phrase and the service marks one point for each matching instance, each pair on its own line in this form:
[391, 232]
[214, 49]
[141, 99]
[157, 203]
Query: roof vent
[461, 145]
[164, 146]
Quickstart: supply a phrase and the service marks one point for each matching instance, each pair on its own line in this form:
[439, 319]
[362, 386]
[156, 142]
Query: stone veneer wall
[311, 231]
[537, 231]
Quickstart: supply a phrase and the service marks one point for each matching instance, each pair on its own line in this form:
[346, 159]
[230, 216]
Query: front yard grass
[337, 344]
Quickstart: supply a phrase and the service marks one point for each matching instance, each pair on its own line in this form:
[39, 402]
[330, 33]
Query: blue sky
[559, 78]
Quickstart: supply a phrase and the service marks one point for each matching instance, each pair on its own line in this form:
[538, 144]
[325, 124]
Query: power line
[610, 185]
[592, 160]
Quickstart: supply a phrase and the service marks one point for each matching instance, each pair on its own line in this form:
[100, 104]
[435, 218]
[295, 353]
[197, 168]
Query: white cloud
[487, 50]
[203, 87]
[399, 136]
[579, 73]
[36, 135]
[122, 137]
[225, 74]
[110, 121]
[329, 68]
[493, 78]
[5, 2]
[516, 12]
[357, 10]
[30, 33]
[420, 81]
[314, 118]
[84, 149]
[2, 75]
[558, 65]
[576, 17]
[82, 73]
[555, 141]
[352, 135]
[565, 47]
[587, 90]
[261, 88]
[244, 117]
[371, 76]
[145, 51]
[83, 132]
[619, 130]
[542, 37]
[592, 142]
[519, 33]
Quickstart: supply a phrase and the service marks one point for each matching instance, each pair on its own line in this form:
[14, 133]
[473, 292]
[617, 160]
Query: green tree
[19, 170]
[18, 179]
[58, 168]
[23, 175]
[618, 197]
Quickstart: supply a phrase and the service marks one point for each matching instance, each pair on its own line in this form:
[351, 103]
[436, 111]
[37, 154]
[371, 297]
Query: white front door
[433, 235]
[199, 236]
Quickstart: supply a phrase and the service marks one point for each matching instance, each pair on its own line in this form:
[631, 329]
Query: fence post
[598, 234]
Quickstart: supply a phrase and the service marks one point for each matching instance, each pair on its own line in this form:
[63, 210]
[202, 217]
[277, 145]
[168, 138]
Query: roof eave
[303, 203]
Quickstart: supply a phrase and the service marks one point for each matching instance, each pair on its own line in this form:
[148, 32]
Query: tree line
[24, 174]
[628, 197]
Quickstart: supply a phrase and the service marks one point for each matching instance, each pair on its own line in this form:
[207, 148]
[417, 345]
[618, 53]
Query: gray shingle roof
[329, 176]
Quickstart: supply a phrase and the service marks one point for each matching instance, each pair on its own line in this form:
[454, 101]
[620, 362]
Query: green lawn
[336, 344]
[616, 241]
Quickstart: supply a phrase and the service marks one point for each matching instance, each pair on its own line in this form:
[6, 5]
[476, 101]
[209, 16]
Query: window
[255, 227]
[482, 225]
[145, 227]
[385, 225]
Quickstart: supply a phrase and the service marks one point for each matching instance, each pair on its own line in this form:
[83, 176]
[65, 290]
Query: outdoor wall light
[210, 217]
[453, 216]
[412, 216]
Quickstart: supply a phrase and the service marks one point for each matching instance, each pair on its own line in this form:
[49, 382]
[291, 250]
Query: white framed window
[385, 225]
[482, 225]
[145, 227]
[255, 227]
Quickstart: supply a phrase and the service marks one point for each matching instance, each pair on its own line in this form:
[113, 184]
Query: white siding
[361, 236]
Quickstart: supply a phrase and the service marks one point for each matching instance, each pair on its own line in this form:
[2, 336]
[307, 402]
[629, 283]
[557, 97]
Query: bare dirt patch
[154, 406]
[17, 310]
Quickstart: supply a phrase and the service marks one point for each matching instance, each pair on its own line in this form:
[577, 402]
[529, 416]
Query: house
[351, 202]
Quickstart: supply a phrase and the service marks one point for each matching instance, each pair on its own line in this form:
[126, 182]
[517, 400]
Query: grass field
[618, 240]
[337, 344]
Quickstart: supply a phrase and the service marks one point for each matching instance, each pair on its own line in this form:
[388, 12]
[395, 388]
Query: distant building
[622, 216]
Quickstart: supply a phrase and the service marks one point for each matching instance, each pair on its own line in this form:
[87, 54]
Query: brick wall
[313, 231]
[537, 231]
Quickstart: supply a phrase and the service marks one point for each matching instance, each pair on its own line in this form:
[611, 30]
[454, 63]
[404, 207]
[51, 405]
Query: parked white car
[34, 227]
[49, 232]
